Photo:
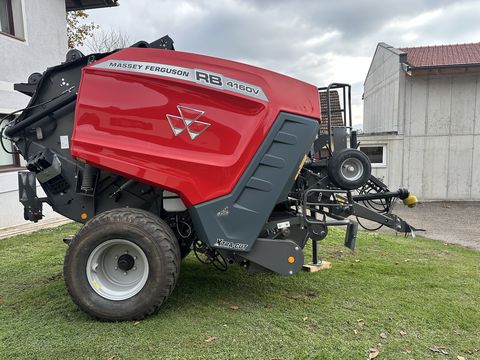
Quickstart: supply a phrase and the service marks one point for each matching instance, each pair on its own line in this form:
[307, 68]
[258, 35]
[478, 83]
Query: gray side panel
[273, 255]
[234, 221]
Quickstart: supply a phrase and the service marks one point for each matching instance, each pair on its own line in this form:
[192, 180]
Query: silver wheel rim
[352, 169]
[110, 271]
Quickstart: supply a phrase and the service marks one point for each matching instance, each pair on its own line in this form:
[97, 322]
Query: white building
[422, 119]
[32, 37]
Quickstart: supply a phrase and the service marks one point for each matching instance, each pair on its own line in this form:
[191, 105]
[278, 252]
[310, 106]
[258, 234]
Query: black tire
[141, 229]
[337, 171]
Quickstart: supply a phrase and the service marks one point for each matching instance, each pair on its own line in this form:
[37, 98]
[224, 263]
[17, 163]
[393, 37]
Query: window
[6, 17]
[376, 153]
[7, 160]
[11, 18]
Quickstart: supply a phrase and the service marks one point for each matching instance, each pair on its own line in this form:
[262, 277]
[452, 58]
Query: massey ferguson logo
[188, 120]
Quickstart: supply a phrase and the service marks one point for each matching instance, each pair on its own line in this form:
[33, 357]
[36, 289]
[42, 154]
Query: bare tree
[107, 40]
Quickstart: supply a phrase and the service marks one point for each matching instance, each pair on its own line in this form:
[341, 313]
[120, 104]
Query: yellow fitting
[410, 201]
[301, 166]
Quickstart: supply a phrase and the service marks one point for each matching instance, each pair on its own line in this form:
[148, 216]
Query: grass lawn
[408, 298]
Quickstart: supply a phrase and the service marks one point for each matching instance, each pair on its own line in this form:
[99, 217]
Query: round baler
[160, 153]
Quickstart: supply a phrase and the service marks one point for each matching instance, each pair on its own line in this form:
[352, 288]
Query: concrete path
[31, 227]
[452, 222]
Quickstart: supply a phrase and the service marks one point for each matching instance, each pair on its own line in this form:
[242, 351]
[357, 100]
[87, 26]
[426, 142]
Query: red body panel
[121, 123]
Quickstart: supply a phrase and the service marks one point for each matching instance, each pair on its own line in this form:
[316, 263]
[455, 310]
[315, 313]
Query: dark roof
[336, 116]
[443, 55]
[73, 5]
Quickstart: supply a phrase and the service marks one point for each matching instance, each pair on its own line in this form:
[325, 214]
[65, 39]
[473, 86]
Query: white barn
[422, 119]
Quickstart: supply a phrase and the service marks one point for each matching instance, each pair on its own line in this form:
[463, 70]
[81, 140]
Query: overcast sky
[316, 41]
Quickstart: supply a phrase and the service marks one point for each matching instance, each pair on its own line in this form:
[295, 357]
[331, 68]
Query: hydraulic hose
[12, 130]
